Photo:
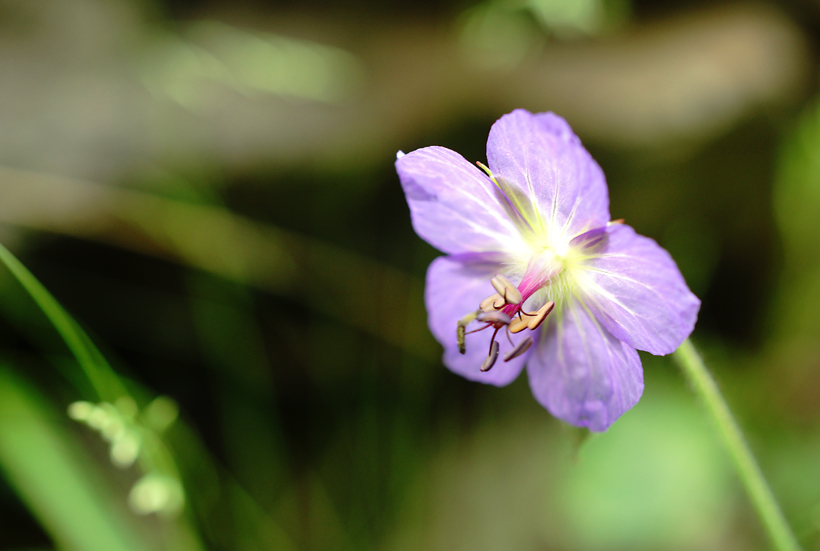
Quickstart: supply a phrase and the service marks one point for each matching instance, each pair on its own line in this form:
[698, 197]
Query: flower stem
[747, 468]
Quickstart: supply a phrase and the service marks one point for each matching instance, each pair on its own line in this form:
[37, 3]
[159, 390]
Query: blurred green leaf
[572, 17]
[499, 34]
[249, 62]
[496, 37]
[52, 477]
[796, 195]
[797, 190]
[658, 479]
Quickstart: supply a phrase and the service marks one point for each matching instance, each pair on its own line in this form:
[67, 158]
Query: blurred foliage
[207, 189]
[52, 476]
[498, 34]
[249, 63]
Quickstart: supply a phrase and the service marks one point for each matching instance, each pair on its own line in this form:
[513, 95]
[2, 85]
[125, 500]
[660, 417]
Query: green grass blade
[99, 373]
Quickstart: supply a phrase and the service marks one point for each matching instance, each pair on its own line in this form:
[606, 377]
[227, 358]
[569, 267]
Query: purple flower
[537, 274]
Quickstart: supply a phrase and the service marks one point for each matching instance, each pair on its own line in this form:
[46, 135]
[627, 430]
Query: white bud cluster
[126, 432]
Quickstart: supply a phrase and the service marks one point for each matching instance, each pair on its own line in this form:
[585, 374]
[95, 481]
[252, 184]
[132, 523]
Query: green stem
[747, 468]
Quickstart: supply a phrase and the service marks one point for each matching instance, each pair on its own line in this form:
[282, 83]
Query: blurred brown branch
[332, 282]
[76, 100]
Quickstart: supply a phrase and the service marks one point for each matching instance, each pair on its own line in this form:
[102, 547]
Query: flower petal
[453, 205]
[542, 166]
[635, 289]
[581, 373]
[455, 288]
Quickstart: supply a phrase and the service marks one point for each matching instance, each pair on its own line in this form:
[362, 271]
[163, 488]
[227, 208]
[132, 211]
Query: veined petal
[546, 172]
[455, 288]
[637, 292]
[581, 373]
[453, 205]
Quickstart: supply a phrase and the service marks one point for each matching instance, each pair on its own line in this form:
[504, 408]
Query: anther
[490, 361]
[495, 317]
[506, 289]
[618, 221]
[540, 316]
[522, 347]
[493, 302]
[519, 324]
[460, 331]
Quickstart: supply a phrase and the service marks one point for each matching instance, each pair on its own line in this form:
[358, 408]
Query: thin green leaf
[102, 377]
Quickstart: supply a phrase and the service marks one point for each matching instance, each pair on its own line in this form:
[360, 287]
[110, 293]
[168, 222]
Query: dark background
[208, 189]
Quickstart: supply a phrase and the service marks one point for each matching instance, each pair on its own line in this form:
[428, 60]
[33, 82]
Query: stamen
[484, 167]
[492, 302]
[506, 289]
[519, 325]
[495, 317]
[465, 321]
[462, 324]
[540, 316]
[618, 221]
[522, 347]
[490, 361]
